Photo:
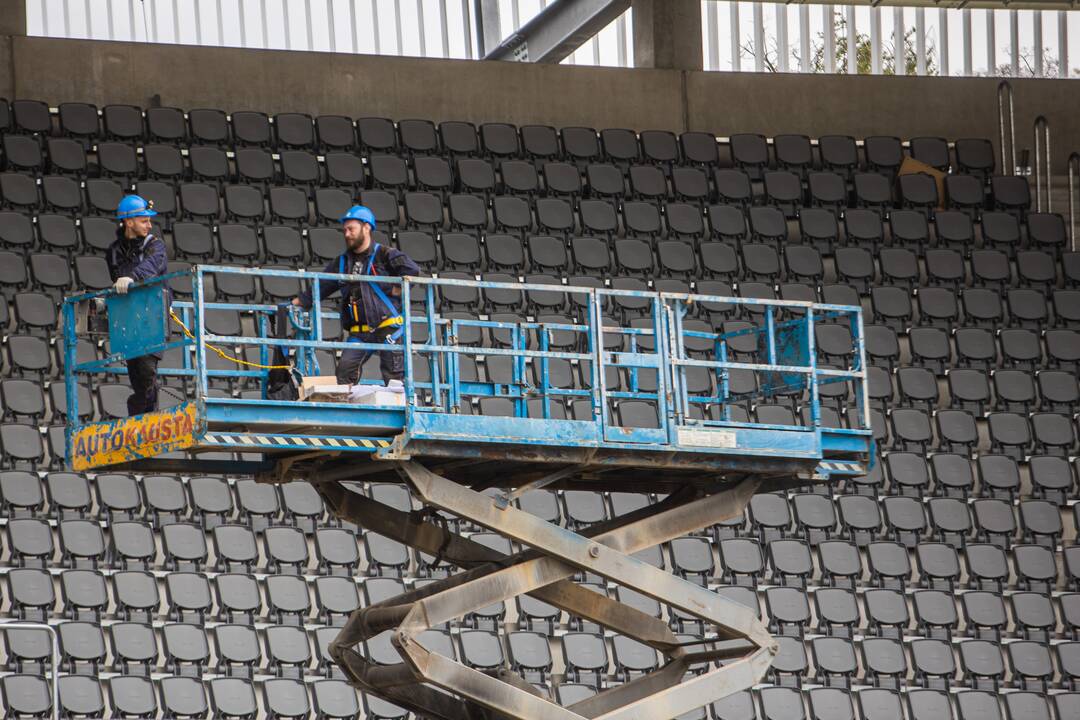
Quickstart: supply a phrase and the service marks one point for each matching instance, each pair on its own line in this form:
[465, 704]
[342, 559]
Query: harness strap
[379, 292]
[396, 320]
[394, 314]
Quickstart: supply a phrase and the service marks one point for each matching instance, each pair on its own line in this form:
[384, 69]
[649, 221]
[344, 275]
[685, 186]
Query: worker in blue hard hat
[370, 312]
[137, 255]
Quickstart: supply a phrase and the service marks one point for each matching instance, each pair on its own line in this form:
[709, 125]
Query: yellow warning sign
[142, 436]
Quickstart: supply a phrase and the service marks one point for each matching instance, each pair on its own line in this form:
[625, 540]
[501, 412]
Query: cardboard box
[324, 388]
[911, 166]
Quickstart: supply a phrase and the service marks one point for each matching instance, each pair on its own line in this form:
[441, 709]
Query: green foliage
[862, 53]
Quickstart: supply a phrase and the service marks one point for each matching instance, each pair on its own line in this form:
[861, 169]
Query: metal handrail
[4, 625]
[1042, 157]
[1074, 174]
[1005, 101]
[440, 339]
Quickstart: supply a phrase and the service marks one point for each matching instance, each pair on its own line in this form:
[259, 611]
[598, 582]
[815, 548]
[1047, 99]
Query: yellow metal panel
[127, 439]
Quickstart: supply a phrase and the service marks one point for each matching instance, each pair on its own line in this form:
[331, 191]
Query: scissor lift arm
[434, 685]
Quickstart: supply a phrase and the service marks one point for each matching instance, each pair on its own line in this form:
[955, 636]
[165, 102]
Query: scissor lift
[625, 347]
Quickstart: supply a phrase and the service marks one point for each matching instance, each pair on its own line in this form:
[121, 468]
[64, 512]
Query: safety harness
[394, 318]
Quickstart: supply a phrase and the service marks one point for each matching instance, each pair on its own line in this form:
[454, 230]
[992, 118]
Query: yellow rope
[224, 355]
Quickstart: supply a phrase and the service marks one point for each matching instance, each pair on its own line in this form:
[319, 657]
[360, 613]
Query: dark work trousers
[391, 363]
[142, 373]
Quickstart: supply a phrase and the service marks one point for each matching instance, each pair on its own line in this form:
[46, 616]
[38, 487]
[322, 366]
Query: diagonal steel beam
[669, 519]
[428, 537]
[454, 602]
[490, 692]
[620, 695]
[421, 699]
[558, 30]
[594, 555]
[423, 681]
[693, 692]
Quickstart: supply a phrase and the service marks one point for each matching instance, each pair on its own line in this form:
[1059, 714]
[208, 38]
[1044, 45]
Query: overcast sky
[394, 26]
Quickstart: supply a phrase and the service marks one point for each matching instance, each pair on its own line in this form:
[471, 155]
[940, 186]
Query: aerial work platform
[508, 388]
[616, 381]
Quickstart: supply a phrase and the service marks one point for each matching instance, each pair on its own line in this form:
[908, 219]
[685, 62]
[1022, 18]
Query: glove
[121, 286]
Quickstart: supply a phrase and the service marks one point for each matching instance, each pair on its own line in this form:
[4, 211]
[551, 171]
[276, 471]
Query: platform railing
[650, 346]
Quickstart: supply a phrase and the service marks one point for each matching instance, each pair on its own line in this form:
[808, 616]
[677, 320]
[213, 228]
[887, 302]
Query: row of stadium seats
[174, 164]
[67, 163]
[456, 139]
[238, 649]
[521, 216]
[132, 696]
[887, 537]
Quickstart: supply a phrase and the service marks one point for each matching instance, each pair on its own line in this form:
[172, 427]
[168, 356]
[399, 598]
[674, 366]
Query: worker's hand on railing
[122, 284]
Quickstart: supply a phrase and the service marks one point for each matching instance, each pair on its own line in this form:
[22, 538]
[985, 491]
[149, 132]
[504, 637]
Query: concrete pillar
[667, 34]
[490, 20]
[12, 17]
[12, 23]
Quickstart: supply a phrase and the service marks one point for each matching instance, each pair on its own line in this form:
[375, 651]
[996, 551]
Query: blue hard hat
[361, 213]
[133, 206]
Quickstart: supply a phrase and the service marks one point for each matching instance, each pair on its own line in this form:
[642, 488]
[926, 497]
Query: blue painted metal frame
[686, 421]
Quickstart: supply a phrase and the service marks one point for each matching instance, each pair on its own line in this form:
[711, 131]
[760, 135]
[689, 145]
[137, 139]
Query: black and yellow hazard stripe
[256, 440]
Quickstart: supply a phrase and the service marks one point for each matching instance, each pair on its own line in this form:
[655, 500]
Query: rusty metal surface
[126, 439]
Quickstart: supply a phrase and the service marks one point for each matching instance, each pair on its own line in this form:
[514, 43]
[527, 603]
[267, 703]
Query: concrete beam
[355, 85]
[12, 17]
[12, 24]
[7, 68]
[667, 34]
[558, 30]
[58, 70]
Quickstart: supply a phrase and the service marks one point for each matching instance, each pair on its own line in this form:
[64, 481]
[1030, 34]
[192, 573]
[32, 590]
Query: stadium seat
[918, 191]
[935, 614]
[294, 130]
[122, 121]
[337, 132]
[1011, 193]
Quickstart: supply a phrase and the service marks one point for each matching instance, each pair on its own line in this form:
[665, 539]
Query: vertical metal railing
[1074, 185]
[1006, 127]
[784, 369]
[1043, 172]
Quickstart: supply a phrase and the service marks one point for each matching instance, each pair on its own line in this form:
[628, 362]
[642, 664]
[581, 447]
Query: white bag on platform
[391, 394]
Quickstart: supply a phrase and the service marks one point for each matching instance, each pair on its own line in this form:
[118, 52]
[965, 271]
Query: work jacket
[362, 307]
[137, 258]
